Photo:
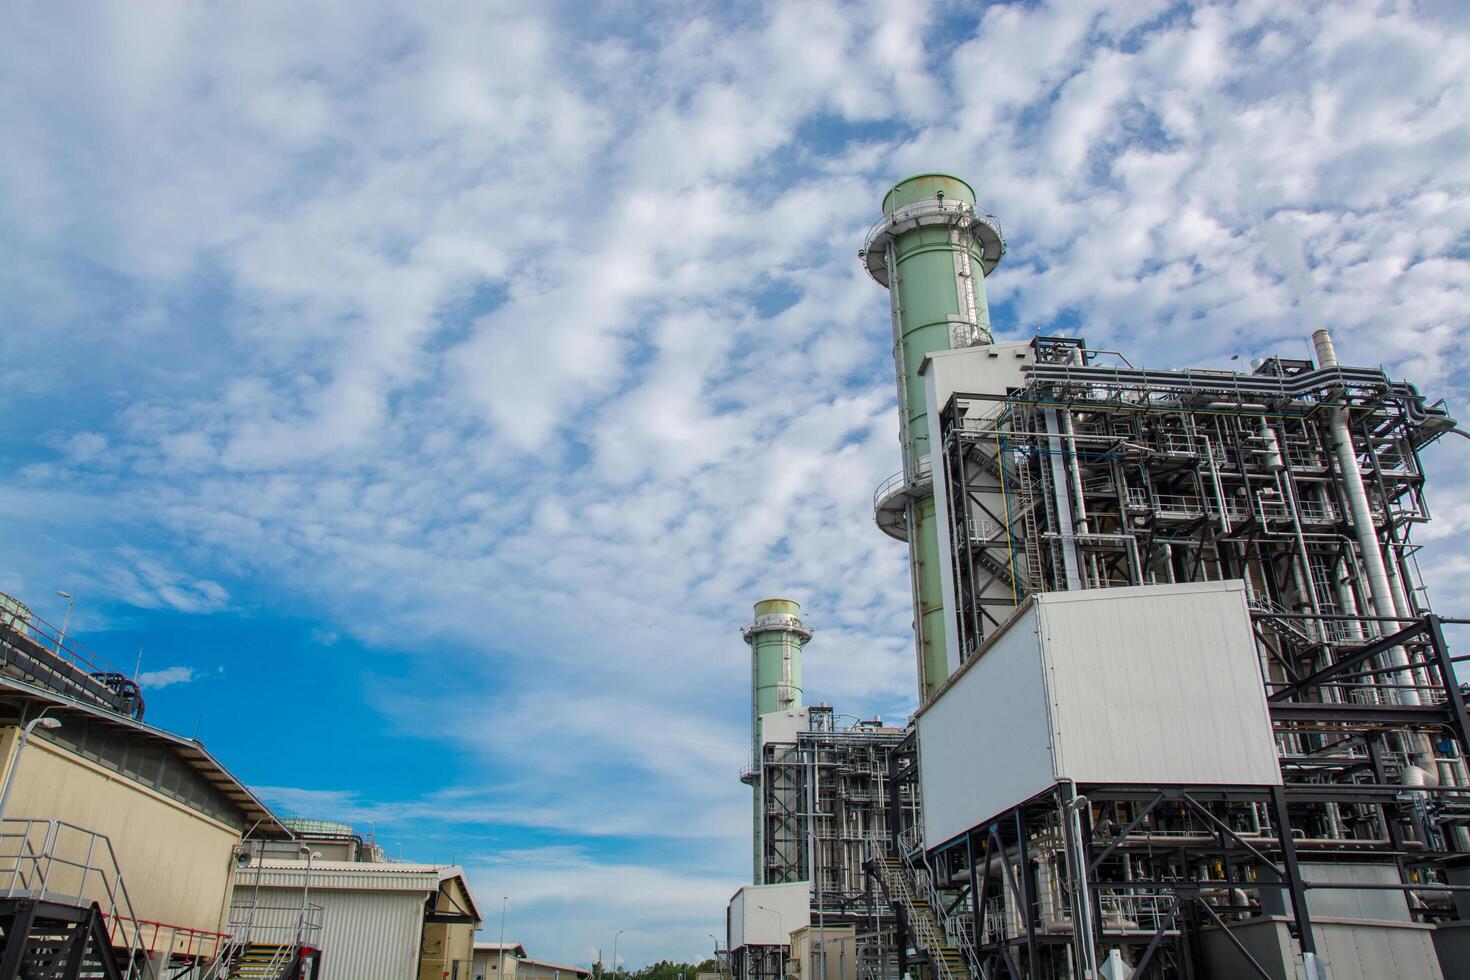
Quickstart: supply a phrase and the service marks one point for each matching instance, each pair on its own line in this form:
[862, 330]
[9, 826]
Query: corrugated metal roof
[580, 971]
[348, 876]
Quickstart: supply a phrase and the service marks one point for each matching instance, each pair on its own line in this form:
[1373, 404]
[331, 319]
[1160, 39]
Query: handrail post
[48, 853]
[87, 869]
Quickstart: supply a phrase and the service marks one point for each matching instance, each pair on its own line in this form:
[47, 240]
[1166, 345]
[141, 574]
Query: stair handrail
[119, 911]
[956, 932]
[926, 929]
[25, 852]
[297, 932]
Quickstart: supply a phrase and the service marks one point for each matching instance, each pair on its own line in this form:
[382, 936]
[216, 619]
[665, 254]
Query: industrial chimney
[933, 250]
[776, 638]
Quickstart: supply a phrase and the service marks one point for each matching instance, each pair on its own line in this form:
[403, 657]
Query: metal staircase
[55, 941]
[264, 961]
[918, 913]
[270, 943]
[64, 910]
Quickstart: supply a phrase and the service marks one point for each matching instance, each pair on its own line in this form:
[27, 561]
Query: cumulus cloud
[530, 372]
[153, 680]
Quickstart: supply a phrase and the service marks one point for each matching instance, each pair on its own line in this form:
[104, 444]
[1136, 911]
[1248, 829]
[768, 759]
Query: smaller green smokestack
[776, 639]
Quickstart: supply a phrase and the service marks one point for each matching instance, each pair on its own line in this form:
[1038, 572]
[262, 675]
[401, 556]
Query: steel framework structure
[1303, 480]
[823, 795]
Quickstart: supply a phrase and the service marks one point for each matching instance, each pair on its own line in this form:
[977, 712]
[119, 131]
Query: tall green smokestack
[776, 639]
[933, 250]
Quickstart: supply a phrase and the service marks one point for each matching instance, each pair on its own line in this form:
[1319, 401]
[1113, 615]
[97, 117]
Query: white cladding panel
[985, 743]
[765, 915]
[782, 726]
[1151, 684]
[992, 369]
[1157, 684]
[366, 935]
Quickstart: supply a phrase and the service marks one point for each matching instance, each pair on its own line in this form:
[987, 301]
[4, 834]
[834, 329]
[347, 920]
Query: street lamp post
[65, 621]
[501, 966]
[40, 721]
[785, 936]
[615, 950]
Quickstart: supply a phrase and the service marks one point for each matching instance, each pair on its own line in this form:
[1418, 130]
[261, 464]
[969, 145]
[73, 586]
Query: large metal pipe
[1369, 551]
[932, 250]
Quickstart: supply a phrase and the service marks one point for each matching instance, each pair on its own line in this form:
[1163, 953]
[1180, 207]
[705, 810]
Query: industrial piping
[1357, 495]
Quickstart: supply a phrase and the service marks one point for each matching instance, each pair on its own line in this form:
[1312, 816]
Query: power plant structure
[1184, 709]
[819, 785]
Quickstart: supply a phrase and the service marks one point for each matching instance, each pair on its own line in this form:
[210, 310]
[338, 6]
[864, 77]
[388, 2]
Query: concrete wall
[487, 965]
[533, 970]
[486, 968]
[449, 947]
[177, 863]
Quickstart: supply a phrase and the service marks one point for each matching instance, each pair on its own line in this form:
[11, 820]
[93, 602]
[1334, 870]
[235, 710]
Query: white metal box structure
[766, 915]
[1146, 685]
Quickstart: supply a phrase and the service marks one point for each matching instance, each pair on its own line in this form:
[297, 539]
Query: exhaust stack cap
[1326, 353]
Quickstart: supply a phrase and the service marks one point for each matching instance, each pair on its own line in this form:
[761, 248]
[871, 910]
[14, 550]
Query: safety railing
[56, 861]
[287, 928]
[164, 943]
[40, 652]
[954, 926]
[923, 923]
[929, 206]
[924, 473]
[1129, 911]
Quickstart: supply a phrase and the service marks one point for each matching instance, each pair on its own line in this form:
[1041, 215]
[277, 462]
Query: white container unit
[1148, 685]
[766, 915]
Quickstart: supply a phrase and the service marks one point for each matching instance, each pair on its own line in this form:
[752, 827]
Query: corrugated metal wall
[366, 935]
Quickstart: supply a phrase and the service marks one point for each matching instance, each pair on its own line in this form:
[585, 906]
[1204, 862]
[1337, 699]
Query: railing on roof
[59, 661]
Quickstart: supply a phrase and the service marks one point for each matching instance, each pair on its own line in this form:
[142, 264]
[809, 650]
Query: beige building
[105, 798]
[494, 960]
[379, 920]
[824, 953]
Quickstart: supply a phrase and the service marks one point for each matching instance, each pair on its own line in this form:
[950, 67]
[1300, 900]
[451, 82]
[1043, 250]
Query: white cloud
[153, 680]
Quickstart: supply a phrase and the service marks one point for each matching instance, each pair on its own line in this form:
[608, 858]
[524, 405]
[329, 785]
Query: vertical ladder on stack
[1028, 568]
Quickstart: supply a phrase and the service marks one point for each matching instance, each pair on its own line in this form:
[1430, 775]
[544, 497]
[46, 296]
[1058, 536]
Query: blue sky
[429, 389]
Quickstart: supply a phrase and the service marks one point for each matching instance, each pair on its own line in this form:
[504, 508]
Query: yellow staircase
[927, 934]
[262, 961]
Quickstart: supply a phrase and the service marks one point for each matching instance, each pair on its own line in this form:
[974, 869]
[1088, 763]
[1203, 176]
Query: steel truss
[822, 796]
[1094, 476]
